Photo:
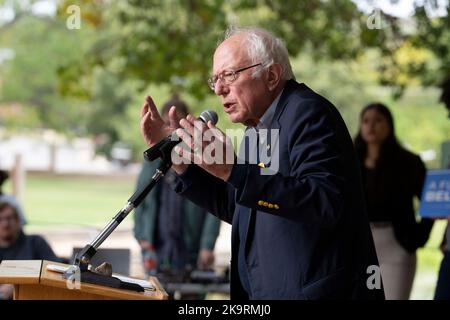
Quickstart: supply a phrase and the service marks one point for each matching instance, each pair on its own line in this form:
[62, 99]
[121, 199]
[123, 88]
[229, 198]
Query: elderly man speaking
[300, 232]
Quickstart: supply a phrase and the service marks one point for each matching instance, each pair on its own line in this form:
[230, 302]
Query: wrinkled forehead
[230, 54]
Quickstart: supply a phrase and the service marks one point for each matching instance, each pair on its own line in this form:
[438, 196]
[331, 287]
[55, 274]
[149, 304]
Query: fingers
[187, 154]
[144, 120]
[196, 130]
[191, 124]
[173, 117]
[149, 109]
[189, 140]
[152, 108]
[218, 134]
[144, 109]
[185, 136]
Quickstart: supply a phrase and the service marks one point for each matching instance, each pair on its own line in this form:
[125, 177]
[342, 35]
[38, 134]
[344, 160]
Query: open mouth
[228, 106]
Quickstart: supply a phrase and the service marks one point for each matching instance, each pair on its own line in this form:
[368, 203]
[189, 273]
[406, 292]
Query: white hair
[263, 47]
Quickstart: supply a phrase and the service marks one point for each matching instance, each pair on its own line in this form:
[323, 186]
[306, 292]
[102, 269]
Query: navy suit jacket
[304, 230]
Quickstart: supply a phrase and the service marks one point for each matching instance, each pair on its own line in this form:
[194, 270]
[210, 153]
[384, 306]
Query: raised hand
[207, 146]
[153, 127]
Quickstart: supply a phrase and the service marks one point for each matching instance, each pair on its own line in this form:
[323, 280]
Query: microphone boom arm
[83, 257]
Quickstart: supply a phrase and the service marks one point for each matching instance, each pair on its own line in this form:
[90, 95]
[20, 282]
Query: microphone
[209, 115]
[163, 148]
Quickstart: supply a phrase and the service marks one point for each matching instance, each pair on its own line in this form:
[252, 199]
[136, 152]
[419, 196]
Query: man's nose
[220, 89]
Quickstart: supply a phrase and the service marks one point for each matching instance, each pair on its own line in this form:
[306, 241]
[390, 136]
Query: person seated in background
[9, 198]
[16, 245]
[175, 235]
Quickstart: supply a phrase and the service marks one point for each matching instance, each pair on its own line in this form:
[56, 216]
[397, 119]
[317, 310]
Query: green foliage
[333, 29]
[172, 42]
[31, 78]
[161, 42]
[426, 36]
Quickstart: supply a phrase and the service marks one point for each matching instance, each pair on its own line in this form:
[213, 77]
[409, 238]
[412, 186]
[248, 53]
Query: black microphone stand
[81, 265]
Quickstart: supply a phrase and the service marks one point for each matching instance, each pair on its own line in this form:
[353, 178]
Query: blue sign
[435, 200]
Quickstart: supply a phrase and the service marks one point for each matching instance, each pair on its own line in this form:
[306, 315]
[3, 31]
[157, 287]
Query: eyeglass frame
[234, 73]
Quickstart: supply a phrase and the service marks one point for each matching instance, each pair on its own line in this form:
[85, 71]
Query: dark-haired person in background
[16, 245]
[445, 96]
[9, 198]
[392, 177]
[175, 235]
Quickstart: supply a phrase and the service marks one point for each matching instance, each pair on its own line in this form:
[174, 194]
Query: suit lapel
[290, 86]
[271, 145]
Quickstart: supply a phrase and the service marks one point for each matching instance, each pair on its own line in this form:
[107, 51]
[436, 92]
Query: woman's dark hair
[445, 96]
[179, 104]
[390, 145]
[3, 177]
[389, 153]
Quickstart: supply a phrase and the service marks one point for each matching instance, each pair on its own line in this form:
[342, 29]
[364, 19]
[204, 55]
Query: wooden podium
[32, 281]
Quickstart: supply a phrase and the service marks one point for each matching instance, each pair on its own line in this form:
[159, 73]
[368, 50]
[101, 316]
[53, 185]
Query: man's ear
[274, 74]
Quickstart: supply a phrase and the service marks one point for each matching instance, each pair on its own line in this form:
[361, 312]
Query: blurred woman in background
[392, 177]
[4, 176]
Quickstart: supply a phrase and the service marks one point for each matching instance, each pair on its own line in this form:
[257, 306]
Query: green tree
[416, 49]
[31, 77]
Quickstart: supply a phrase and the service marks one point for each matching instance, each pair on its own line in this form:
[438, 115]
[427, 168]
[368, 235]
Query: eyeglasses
[227, 77]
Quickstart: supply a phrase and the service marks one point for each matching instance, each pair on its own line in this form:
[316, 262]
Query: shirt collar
[266, 119]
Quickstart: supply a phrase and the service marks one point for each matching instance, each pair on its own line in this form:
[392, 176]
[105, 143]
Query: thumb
[211, 125]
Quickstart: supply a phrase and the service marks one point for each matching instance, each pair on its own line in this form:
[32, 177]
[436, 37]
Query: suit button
[260, 202]
[276, 206]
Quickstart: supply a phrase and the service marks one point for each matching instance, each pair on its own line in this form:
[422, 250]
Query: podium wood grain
[32, 281]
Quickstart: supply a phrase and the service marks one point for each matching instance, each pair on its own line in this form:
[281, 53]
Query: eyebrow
[226, 69]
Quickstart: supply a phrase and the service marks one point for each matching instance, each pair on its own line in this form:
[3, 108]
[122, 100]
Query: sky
[399, 8]
[44, 7]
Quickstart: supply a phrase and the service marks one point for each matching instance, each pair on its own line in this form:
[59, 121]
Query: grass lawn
[51, 201]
